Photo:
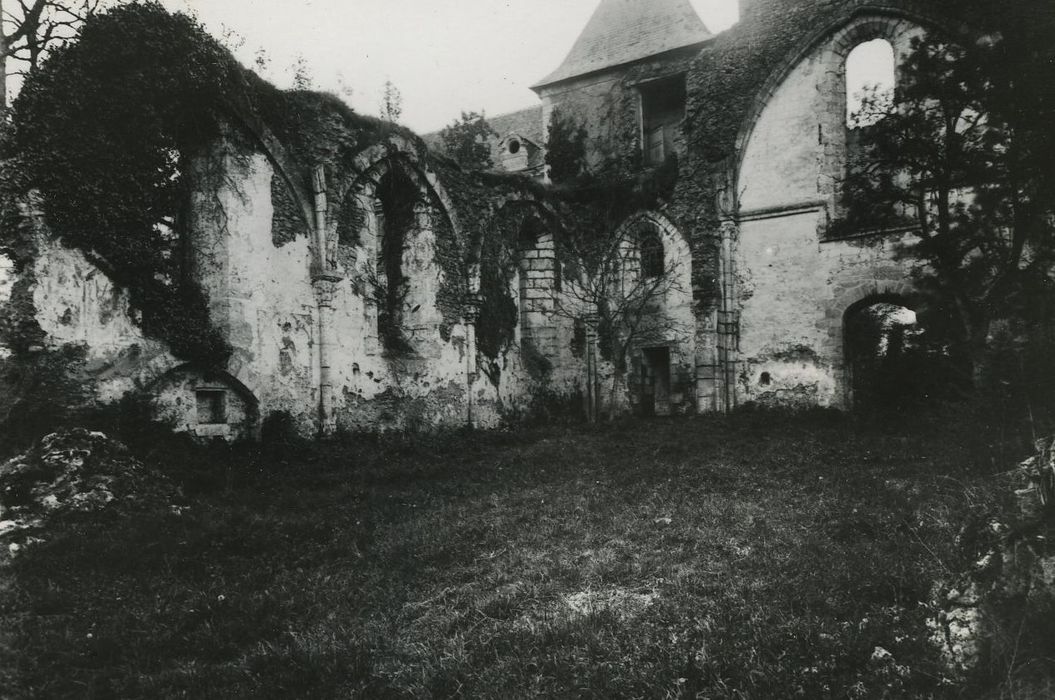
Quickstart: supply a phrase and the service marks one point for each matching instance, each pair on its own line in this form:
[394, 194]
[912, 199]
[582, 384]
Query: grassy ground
[753, 556]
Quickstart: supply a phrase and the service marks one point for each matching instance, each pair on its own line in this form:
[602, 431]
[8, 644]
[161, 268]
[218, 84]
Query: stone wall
[259, 293]
[795, 284]
[756, 311]
[76, 304]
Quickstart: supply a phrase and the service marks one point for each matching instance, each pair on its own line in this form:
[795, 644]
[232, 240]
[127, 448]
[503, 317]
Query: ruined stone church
[299, 264]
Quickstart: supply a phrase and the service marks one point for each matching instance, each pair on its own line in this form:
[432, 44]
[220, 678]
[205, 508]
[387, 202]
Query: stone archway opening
[887, 356]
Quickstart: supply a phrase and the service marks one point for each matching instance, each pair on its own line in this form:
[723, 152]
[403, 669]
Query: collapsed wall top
[622, 31]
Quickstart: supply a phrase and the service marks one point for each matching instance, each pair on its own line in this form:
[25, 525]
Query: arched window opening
[870, 83]
[397, 195]
[650, 248]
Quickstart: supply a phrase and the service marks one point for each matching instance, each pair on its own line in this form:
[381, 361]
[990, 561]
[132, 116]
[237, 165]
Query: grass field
[757, 556]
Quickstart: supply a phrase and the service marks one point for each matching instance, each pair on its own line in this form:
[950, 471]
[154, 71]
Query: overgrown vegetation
[565, 147]
[751, 556]
[964, 160]
[104, 129]
[467, 141]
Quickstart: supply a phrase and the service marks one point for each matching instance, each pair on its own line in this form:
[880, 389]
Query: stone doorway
[655, 381]
[885, 356]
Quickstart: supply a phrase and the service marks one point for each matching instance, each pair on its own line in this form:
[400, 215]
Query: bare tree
[619, 295]
[30, 29]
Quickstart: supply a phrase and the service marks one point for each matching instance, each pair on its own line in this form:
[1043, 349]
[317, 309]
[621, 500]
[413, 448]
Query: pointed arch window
[650, 247]
[397, 197]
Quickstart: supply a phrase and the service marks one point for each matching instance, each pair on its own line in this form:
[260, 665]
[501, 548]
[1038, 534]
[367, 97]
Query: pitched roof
[621, 31]
[525, 123]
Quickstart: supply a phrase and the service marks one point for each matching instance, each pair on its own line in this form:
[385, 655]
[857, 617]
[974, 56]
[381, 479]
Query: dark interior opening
[655, 381]
[397, 195]
[662, 111]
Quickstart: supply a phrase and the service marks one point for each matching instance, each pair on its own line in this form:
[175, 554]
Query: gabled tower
[621, 32]
[623, 79]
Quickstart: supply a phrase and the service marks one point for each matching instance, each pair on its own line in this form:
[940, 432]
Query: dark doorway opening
[655, 381]
[887, 356]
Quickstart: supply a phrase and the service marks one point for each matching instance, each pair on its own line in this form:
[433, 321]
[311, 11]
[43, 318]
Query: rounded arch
[864, 23]
[212, 375]
[900, 297]
[892, 291]
[885, 362]
[869, 64]
[205, 401]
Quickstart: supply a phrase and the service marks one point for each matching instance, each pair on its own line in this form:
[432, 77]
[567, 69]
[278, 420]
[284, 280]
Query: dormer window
[662, 111]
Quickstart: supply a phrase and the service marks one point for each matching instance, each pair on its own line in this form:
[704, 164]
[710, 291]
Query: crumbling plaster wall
[260, 294]
[75, 303]
[794, 283]
[177, 395]
[381, 389]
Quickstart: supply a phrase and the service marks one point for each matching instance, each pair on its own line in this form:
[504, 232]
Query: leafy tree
[964, 157]
[565, 148]
[391, 103]
[105, 130]
[467, 141]
[31, 29]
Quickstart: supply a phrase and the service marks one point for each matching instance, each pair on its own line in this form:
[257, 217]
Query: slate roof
[526, 123]
[622, 31]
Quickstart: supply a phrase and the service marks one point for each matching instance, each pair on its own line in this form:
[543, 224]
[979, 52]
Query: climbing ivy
[105, 130]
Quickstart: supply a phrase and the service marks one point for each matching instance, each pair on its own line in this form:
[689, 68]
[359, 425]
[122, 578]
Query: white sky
[445, 56]
[869, 64]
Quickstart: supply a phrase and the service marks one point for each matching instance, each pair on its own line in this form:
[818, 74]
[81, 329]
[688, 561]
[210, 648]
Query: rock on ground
[73, 471]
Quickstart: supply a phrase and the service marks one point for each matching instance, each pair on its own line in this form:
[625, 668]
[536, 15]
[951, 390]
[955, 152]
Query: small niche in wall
[212, 406]
[765, 379]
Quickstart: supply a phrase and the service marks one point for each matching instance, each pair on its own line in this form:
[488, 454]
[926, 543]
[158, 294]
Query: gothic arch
[280, 161]
[541, 209]
[863, 23]
[370, 167]
[675, 244]
[662, 223]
